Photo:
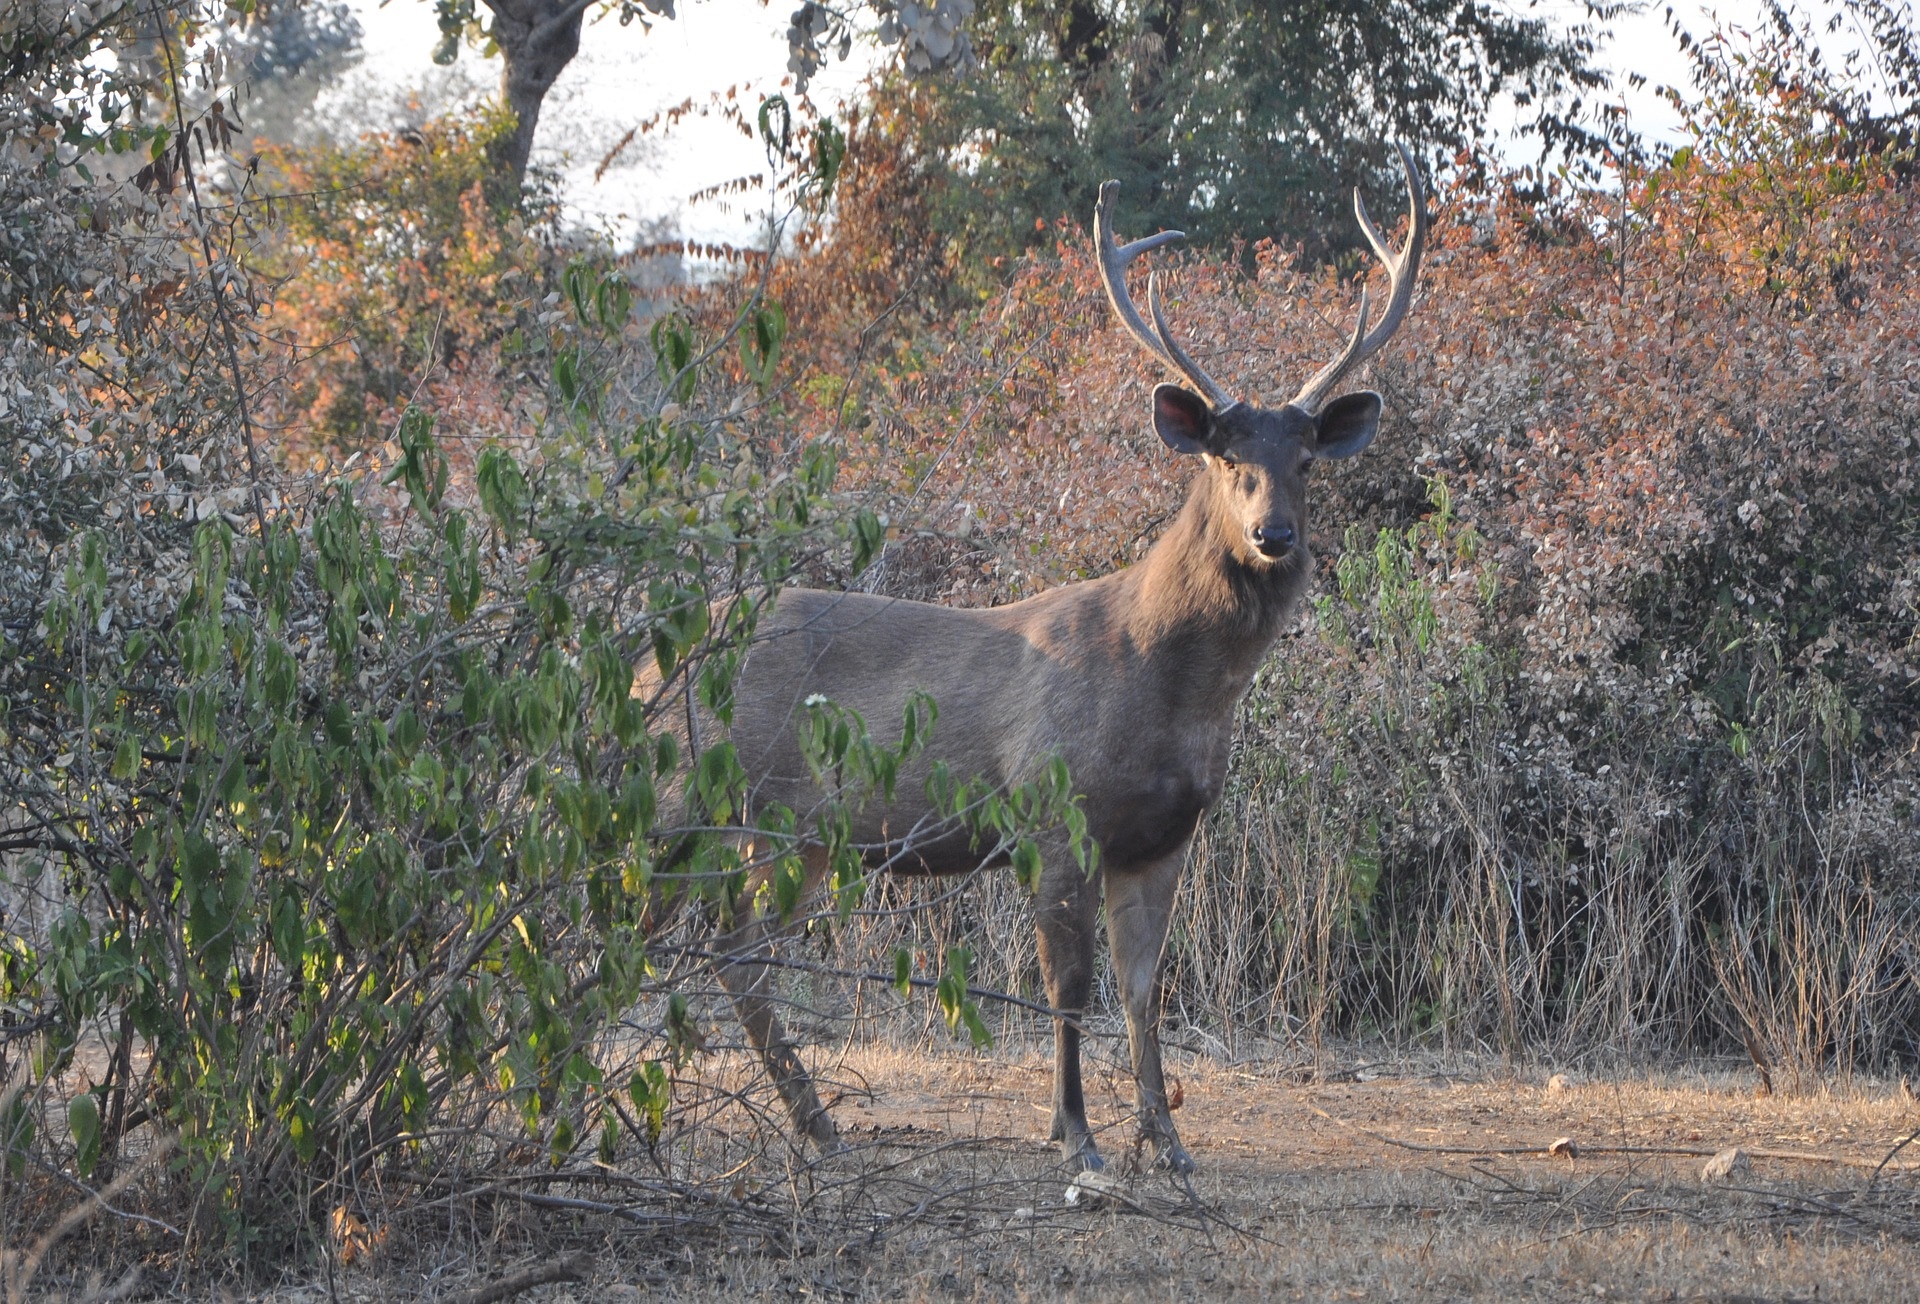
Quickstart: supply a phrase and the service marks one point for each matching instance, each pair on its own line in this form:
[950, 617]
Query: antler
[1113, 273]
[1403, 270]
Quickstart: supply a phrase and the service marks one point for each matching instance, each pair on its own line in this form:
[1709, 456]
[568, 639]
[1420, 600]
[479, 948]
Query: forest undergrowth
[1597, 736]
[344, 877]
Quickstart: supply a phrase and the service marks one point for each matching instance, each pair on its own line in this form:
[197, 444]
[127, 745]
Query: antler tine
[1182, 360]
[1113, 268]
[1314, 392]
[1403, 270]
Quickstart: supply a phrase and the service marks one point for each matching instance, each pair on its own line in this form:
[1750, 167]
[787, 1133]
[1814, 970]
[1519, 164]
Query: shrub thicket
[338, 848]
[1598, 737]
[338, 854]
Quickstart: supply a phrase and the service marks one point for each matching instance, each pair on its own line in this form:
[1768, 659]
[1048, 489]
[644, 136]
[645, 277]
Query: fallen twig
[571, 1268]
[1900, 1145]
[1544, 1150]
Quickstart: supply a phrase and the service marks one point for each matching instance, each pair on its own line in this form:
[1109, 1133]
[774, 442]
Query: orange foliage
[405, 268]
[1723, 420]
[1642, 701]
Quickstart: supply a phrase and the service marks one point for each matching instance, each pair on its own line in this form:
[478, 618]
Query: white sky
[624, 75]
[621, 77]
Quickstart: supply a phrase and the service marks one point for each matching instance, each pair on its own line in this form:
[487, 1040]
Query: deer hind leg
[744, 971]
[1065, 923]
[1139, 908]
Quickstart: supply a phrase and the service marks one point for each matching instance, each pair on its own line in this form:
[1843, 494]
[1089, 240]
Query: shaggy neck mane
[1194, 591]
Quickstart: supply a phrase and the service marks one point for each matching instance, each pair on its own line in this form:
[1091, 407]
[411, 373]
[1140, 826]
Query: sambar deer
[1132, 679]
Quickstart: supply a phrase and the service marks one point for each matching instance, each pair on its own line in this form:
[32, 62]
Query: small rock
[1731, 1162]
[1094, 1188]
[1559, 1084]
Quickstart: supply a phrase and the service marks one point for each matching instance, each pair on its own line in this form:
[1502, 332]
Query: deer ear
[1347, 425]
[1182, 419]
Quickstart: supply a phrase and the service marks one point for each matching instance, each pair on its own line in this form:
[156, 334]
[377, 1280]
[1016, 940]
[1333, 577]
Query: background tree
[1228, 118]
[291, 53]
[537, 39]
[1866, 101]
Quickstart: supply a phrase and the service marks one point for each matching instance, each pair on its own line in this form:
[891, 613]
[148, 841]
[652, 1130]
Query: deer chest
[1153, 811]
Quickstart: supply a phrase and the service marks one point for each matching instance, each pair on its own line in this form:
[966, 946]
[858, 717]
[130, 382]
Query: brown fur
[1132, 679]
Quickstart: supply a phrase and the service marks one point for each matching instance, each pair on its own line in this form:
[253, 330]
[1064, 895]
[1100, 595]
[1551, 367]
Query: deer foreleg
[1065, 924]
[1139, 908]
[746, 981]
[743, 971]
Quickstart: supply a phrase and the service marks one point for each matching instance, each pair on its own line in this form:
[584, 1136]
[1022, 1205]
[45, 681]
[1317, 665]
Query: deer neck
[1198, 601]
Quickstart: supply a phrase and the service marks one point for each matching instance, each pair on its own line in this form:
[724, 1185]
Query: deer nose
[1272, 540]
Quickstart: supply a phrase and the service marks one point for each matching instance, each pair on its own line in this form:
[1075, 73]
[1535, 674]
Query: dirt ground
[1355, 1180]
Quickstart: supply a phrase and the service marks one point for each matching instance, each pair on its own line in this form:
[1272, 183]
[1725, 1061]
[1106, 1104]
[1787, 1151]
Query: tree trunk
[1081, 40]
[537, 39]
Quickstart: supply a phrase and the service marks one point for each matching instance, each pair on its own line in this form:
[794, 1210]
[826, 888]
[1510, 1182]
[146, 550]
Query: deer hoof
[1175, 1159]
[1083, 1158]
[825, 1136]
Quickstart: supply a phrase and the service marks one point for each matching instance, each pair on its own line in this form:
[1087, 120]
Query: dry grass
[1310, 1189]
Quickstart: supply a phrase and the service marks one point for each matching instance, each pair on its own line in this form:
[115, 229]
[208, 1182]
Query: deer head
[1257, 457]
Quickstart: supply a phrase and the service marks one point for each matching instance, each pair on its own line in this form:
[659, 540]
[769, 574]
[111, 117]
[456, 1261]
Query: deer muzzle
[1272, 541]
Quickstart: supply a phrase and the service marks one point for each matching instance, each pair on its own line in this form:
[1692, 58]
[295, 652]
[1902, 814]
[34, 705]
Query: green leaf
[776, 125]
[578, 283]
[761, 336]
[651, 1093]
[1027, 864]
[609, 1148]
[829, 152]
[422, 466]
[682, 1034]
[613, 303]
[566, 376]
[869, 536]
[789, 879]
[289, 931]
[977, 1031]
[83, 1120]
[673, 350]
[504, 495]
[16, 1131]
